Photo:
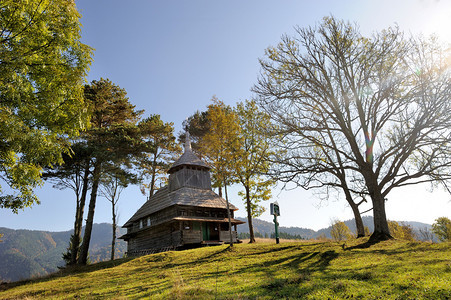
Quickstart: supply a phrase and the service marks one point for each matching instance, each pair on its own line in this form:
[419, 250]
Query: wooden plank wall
[157, 218]
[192, 236]
[190, 177]
[225, 236]
[158, 237]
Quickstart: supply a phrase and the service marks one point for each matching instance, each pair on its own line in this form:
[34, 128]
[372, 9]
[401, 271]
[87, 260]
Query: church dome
[188, 158]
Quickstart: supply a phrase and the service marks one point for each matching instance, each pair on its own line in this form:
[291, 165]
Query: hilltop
[303, 270]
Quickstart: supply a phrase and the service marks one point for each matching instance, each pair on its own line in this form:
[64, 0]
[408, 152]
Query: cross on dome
[187, 142]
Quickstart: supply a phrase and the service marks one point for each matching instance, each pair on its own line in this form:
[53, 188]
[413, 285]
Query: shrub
[340, 231]
[442, 229]
[401, 231]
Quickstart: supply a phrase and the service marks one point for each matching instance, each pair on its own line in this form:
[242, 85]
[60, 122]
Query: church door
[214, 232]
[205, 231]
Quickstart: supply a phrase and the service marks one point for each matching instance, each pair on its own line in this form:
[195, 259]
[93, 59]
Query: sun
[437, 21]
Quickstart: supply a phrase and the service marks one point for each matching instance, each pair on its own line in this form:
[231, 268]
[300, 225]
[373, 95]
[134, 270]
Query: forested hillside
[30, 253]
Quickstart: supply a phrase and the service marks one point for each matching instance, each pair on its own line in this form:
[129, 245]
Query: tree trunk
[358, 220]
[152, 180]
[74, 239]
[152, 184]
[220, 191]
[357, 216]
[83, 259]
[381, 231]
[79, 218]
[354, 207]
[249, 215]
[228, 214]
[113, 242]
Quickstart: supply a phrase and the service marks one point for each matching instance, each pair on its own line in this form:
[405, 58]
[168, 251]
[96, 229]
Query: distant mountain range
[31, 253]
[268, 228]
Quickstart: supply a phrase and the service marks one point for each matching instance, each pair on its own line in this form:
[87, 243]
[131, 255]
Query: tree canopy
[340, 231]
[42, 70]
[362, 114]
[252, 159]
[442, 229]
[197, 125]
[162, 148]
[217, 143]
[113, 139]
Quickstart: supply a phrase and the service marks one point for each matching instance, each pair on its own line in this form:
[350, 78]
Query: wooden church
[185, 213]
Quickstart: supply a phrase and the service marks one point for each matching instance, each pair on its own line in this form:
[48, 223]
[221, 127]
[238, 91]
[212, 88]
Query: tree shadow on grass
[365, 245]
[292, 286]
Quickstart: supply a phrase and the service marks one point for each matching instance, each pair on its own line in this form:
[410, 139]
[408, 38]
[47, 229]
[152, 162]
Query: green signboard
[275, 211]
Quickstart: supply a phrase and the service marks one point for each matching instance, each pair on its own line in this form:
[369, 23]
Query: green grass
[303, 270]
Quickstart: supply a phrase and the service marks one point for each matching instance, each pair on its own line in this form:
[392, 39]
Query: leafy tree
[367, 231]
[42, 70]
[395, 229]
[340, 231]
[252, 159]
[401, 231]
[442, 229]
[322, 237]
[361, 115]
[112, 184]
[159, 137]
[408, 232]
[68, 255]
[197, 126]
[217, 144]
[112, 139]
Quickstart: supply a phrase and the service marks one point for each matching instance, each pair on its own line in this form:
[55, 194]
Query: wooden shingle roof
[188, 159]
[184, 196]
[183, 193]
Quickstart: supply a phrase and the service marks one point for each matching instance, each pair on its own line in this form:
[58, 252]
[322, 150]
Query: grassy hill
[304, 270]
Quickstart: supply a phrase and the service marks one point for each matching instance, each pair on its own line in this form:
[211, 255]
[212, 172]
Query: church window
[186, 226]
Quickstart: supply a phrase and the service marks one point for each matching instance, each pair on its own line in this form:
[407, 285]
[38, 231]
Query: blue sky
[172, 56]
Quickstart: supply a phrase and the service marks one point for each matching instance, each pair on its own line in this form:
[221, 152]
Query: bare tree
[74, 175]
[112, 185]
[364, 115]
[425, 234]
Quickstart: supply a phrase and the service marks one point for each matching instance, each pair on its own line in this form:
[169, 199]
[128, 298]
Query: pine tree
[159, 138]
[111, 138]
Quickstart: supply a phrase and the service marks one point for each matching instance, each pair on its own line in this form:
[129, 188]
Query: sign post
[274, 209]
